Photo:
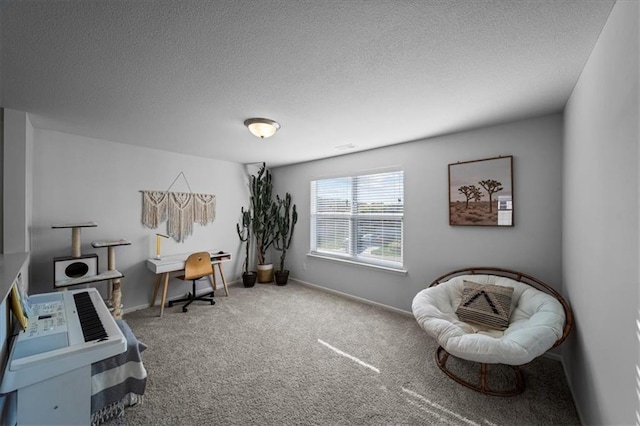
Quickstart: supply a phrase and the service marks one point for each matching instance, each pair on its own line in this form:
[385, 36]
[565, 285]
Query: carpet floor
[296, 355]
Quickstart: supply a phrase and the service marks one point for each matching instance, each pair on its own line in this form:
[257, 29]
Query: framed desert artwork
[481, 192]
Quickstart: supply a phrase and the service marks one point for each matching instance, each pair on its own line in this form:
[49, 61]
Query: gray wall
[432, 247]
[600, 224]
[2, 156]
[79, 179]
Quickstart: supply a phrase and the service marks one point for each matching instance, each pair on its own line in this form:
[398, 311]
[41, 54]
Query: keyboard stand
[61, 400]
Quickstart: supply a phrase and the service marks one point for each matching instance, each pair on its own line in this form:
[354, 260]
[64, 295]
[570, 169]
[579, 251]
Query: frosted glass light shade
[262, 127]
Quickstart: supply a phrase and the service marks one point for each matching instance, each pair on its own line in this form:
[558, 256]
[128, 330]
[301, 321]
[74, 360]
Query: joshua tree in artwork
[477, 195]
[491, 186]
[471, 192]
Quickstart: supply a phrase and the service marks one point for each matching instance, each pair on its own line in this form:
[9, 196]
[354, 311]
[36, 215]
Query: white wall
[17, 165]
[79, 179]
[17, 181]
[600, 223]
[432, 247]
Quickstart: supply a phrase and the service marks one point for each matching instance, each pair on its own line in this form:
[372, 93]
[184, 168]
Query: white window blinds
[359, 218]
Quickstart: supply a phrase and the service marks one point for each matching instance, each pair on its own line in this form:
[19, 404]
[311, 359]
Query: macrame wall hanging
[180, 209]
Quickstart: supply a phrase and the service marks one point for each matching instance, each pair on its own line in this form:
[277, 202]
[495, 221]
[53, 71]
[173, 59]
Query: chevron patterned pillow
[485, 304]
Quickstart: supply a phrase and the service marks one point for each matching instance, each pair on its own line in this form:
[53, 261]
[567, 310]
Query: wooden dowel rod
[111, 258]
[75, 242]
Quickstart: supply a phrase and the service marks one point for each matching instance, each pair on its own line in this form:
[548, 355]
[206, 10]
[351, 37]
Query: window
[359, 218]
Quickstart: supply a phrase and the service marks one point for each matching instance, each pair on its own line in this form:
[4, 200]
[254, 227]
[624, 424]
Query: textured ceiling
[183, 76]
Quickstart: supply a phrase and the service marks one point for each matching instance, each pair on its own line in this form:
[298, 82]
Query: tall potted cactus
[244, 233]
[286, 220]
[263, 221]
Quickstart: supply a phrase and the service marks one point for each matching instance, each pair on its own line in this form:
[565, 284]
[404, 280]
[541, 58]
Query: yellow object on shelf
[16, 308]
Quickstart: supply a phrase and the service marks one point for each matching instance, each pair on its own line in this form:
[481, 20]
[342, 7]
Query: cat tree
[83, 269]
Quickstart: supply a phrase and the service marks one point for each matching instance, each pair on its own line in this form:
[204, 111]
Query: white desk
[166, 264]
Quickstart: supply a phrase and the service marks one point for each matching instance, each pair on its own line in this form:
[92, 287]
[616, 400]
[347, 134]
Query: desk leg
[155, 290]
[164, 292]
[224, 281]
[212, 278]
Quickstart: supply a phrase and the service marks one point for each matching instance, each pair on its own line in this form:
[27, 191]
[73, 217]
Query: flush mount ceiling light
[261, 127]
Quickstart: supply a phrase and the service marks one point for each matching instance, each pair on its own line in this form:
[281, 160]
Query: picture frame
[481, 192]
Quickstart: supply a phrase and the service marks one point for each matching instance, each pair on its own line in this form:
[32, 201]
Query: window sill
[364, 265]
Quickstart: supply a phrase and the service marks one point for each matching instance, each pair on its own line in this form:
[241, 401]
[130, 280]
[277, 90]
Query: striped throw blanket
[119, 381]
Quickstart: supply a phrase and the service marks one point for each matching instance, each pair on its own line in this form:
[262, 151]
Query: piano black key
[91, 327]
[94, 329]
[90, 323]
[93, 334]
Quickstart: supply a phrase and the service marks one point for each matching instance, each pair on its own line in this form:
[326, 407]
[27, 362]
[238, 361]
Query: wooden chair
[197, 265]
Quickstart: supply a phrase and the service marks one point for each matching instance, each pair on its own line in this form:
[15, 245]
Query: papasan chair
[492, 316]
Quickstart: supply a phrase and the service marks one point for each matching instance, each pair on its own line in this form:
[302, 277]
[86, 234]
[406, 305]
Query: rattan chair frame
[482, 385]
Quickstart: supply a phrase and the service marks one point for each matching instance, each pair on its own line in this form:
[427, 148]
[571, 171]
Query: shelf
[104, 276]
[76, 225]
[10, 267]
[110, 243]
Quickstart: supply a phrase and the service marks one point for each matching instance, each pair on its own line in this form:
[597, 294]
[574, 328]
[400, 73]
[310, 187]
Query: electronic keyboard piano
[49, 363]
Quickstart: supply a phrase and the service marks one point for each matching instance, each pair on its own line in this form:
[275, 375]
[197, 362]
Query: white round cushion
[537, 321]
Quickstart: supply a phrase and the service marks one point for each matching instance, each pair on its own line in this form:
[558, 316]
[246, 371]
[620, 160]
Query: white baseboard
[136, 308]
[553, 356]
[350, 296]
[573, 395]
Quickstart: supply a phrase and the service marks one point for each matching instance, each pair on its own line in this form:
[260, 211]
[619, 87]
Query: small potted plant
[248, 277]
[286, 220]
